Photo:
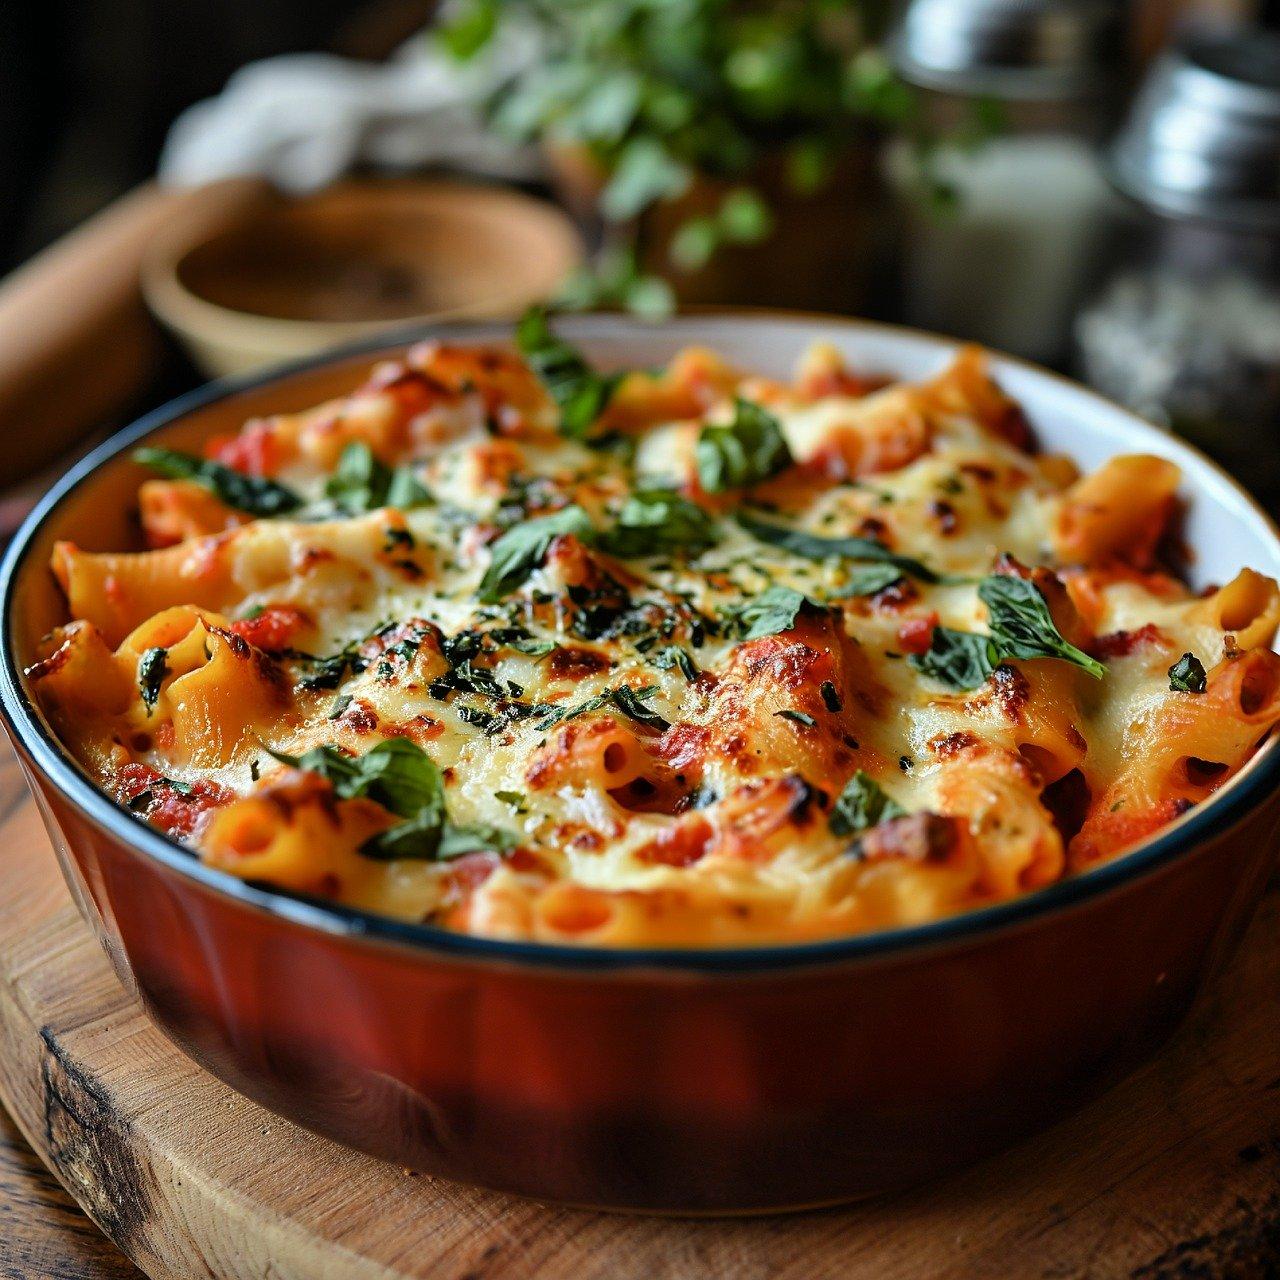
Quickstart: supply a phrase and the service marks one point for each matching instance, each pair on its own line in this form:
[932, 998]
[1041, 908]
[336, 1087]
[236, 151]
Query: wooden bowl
[302, 275]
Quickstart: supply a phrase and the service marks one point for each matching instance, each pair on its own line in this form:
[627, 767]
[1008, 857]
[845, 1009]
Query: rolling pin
[76, 344]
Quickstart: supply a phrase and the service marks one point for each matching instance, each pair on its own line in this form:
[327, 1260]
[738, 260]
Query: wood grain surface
[1175, 1175]
[42, 1230]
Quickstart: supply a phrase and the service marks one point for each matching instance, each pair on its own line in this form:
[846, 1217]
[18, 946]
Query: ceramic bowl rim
[1245, 791]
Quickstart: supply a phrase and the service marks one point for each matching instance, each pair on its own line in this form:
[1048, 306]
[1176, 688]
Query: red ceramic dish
[692, 1081]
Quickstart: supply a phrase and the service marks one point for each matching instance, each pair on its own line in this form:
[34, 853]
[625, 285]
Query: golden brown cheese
[656, 723]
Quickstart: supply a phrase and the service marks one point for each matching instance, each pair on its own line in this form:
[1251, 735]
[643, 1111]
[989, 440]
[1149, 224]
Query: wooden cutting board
[1176, 1174]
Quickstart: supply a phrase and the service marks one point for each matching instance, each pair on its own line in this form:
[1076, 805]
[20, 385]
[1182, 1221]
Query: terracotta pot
[823, 253]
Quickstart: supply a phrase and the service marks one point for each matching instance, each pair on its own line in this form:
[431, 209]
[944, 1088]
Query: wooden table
[1174, 1175]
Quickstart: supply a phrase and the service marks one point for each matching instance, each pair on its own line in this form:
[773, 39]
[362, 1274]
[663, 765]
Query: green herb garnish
[800, 717]
[674, 656]
[580, 393]
[863, 803]
[402, 778]
[769, 613]
[362, 483]
[657, 521]
[811, 547]
[254, 494]
[1187, 675]
[959, 659]
[746, 451]
[153, 666]
[1023, 627]
[515, 555]
[1020, 627]
[624, 699]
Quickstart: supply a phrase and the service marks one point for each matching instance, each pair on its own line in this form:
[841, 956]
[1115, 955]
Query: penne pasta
[679, 657]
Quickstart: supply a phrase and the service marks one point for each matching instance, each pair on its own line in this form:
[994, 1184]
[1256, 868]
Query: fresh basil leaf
[396, 773]
[515, 555]
[746, 451]
[656, 522]
[362, 483]
[579, 392]
[402, 778]
[867, 580]
[958, 659]
[863, 803]
[153, 666]
[417, 838]
[406, 492]
[475, 837]
[1022, 626]
[254, 494]
[421, 838]
[1187, 675]
[811, 547]
[769, 613]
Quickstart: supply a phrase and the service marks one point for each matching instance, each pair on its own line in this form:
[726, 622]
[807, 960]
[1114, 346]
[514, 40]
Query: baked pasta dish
[516, 646]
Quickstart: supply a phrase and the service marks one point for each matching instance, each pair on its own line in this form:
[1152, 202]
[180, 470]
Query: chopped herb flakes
[1187, 675]
[153, 666]
[800, 717]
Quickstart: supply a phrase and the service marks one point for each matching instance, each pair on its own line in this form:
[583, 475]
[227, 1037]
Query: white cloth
[303, 120]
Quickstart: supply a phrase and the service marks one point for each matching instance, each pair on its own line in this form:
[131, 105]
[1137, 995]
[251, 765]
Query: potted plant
[727, 147]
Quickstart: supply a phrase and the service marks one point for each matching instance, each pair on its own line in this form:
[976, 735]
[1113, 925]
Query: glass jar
[1185, 326]
[1005, 261]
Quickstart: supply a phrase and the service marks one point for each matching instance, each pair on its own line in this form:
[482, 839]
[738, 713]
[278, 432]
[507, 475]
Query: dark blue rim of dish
[30, 729]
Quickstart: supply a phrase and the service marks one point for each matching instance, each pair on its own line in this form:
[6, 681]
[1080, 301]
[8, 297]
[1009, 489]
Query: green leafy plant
[659, 93]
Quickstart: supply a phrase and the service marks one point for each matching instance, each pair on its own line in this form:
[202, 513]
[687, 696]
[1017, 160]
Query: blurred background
[208, 187]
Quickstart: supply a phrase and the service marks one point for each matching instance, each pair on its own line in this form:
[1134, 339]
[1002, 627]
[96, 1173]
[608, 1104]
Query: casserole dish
[659, 1080]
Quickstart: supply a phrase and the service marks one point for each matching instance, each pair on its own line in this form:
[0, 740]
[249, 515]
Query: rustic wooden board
[42, 1231]
[1174, 1174]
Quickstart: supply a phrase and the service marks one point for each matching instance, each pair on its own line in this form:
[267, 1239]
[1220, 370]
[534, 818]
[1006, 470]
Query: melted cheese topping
[699, 806]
